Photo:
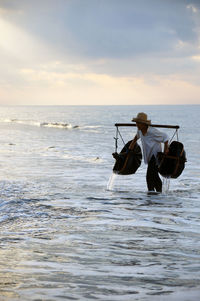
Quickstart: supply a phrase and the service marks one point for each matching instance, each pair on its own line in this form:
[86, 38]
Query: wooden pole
[153, 125]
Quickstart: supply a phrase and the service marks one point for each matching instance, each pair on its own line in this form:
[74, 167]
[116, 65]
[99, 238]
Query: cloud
[142, 51]
[196, 58]
[128, 29]
[114, 28]
[114, 31]
[83, 87]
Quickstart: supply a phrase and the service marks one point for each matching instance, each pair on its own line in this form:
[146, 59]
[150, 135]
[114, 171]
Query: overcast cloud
[72, 45]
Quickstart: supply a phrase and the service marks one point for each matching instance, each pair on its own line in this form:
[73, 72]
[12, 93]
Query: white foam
[56, 125]
[95, 160]
[25, 122]
[60, 125]
[166, 184]
[111, 181]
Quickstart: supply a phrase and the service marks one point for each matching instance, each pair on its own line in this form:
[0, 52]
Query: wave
[26, 122]
[59, 125]
[95, 160]
[91, 128]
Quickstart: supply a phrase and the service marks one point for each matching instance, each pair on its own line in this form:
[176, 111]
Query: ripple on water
[107, 246]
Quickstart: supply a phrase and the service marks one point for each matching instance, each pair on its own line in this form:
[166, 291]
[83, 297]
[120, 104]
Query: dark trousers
[152, 177]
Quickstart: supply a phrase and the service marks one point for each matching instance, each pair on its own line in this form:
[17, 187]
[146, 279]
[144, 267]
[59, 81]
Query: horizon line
[90, 105]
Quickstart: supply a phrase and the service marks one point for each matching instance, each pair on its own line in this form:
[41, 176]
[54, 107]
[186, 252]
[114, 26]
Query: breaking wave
[57, 125]
[60, 125]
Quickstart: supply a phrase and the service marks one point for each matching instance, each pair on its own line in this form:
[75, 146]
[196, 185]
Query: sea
[73, 230]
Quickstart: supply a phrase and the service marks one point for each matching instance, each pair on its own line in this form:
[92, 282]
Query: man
[151, 140]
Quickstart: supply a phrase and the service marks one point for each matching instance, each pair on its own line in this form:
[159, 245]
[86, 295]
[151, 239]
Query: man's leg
[152, 177]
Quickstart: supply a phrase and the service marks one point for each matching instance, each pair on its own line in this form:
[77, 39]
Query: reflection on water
[68, 233]
[110, 246]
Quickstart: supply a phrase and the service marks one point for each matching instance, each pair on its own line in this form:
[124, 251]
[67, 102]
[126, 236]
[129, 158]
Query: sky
[99, 52]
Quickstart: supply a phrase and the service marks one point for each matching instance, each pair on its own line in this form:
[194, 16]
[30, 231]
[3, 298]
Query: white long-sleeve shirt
[151, 142]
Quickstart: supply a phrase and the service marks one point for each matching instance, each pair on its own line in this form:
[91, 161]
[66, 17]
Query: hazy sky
[100, 52]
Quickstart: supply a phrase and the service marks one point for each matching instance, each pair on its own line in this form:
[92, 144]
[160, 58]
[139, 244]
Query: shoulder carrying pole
[153, 125]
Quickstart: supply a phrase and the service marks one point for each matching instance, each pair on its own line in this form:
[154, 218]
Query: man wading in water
[151, 140]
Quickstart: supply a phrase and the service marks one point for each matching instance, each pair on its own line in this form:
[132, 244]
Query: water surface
[66, 236]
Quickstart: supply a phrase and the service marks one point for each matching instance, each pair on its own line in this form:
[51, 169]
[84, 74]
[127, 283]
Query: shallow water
[67, 233]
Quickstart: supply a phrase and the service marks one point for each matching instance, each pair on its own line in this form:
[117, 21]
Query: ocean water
[72, 231]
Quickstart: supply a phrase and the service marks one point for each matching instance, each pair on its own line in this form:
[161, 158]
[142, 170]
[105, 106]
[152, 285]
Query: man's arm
[131, 146]
[166, 149]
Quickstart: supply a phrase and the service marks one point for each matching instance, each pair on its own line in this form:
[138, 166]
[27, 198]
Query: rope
[175, 133]
[121, 138]
[116, 138]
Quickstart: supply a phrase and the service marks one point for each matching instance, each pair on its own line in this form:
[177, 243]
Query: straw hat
[142, 118]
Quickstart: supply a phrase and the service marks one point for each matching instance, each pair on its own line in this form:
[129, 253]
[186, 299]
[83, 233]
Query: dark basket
[172, 164]
[128, 161]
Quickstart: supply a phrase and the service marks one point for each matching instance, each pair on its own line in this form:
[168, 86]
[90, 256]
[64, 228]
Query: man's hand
[115, 155]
